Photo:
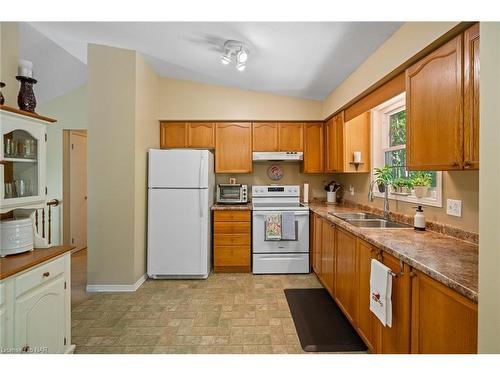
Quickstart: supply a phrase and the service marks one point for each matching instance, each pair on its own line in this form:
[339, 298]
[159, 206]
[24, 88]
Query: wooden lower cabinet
[443, 321]
[396, 339]
[232, 241]
[316, 243]
[328, 232]
[345, 274]
[367, 323]
[427, 316]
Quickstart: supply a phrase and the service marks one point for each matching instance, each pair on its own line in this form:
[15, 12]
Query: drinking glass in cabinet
[8, 190]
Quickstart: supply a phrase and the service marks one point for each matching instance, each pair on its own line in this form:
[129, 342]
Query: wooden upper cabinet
[187, 134]
[471, 97]
[345, 274]
[265, 136]
[233, 147]
[173, 135]
[357, 138]
[396, 339]
[443, 321]
[201, 135]
[313, 148]
[328, 255]
[291, 136]
[434, 110]
[367, 324]
[342, 139]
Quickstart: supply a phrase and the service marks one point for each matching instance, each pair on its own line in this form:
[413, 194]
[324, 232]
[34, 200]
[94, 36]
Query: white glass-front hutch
[22, 162]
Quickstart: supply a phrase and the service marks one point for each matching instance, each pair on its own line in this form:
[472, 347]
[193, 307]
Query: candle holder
[2, 99]
[26, 99]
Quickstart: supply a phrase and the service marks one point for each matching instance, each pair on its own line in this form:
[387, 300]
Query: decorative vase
[26, 99]
[421, 191]
[2, 99]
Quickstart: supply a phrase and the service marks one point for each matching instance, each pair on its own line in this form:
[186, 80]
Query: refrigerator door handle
[202, 165]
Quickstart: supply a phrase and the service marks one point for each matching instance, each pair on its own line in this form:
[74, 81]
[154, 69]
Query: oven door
[263, 246]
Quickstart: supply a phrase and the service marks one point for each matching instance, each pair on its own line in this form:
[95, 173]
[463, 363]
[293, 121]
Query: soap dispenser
[419, 219]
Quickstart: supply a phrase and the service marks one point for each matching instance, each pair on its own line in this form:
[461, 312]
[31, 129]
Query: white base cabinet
[35, 310]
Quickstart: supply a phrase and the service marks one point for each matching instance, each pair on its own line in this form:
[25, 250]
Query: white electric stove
[279, 255]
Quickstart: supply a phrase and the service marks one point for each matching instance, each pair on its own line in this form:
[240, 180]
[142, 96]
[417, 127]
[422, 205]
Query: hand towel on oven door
[381, 292]
[288, 226]
[273, 227]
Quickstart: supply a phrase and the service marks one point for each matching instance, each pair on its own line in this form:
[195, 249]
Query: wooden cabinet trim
[471, 97]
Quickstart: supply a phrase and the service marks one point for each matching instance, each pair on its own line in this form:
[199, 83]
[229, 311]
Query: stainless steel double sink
[365, 220]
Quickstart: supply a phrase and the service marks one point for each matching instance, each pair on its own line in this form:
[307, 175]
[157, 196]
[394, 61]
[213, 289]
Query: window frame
[380, 145]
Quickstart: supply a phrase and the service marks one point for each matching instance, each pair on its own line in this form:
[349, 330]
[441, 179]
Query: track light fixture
[238, 50]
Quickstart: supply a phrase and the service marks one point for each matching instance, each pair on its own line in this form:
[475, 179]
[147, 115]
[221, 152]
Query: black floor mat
[320, 324]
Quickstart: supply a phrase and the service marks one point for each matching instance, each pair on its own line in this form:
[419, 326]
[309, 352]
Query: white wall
[406, 42]
[70, 110]
[489, 188]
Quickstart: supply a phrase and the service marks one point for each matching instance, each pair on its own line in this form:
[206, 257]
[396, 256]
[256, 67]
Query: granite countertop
[232, 207]
[12, 264]
[448, 260]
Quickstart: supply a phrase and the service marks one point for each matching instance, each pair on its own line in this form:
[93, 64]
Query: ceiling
[302, 59]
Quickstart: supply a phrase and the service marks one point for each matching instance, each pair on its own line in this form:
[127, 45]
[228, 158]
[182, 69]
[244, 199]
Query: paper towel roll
[306, 193]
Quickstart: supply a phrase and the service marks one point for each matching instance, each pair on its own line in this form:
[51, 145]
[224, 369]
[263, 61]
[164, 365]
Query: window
[389, 149]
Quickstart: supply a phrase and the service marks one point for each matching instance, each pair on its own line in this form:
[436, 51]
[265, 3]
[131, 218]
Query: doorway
[75, 207]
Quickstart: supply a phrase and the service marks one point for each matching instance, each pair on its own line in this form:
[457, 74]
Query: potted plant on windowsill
[401, 185]
[421, 183]
[383, 178]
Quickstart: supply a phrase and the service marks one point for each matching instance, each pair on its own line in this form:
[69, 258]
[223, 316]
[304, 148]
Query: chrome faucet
[386, 197]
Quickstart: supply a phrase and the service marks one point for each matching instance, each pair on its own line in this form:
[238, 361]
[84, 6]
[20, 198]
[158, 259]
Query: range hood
[278, 156]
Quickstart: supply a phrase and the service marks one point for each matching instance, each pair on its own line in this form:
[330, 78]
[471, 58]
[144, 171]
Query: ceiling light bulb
[242, 56]
[225, 58]
[241, 66]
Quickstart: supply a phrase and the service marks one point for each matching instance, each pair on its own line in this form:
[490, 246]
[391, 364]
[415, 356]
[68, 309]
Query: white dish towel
[381, 292]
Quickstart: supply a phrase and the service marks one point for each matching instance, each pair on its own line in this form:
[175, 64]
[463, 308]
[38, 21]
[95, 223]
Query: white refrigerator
[180, 194]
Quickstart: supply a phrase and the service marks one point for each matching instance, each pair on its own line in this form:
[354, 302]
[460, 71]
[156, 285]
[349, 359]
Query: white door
[178, 238]
[178, 168]
[39, 318]
[78, 190]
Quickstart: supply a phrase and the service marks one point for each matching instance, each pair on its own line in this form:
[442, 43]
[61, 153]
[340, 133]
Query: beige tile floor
[227, 313]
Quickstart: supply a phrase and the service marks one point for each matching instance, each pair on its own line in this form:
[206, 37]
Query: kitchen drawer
[39, 275]
[228, 256]
[232, 216]
[231, 239]
[231, 228]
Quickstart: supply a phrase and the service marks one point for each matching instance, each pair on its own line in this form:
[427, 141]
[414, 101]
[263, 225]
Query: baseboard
[117, 288]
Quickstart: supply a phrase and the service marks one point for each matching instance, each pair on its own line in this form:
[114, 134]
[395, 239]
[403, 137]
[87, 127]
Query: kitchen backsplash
[292, 175]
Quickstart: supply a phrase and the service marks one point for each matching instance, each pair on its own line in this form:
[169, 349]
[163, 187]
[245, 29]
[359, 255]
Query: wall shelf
[25, 113]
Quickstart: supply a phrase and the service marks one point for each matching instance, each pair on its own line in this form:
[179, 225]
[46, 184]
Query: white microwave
[232, 193]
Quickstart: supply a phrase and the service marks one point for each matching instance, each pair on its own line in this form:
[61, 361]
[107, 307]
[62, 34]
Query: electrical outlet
[454, 207]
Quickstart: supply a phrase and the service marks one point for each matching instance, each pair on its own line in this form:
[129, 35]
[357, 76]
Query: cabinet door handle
[25, 349]
[467, 164]
[455, 164]
[46, 274]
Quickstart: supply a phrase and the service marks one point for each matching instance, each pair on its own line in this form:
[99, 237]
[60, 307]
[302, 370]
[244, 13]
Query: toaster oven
[232, 193]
